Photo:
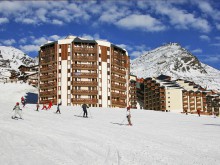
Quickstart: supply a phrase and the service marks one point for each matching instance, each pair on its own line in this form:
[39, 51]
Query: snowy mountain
[177, 62]
[11, 58]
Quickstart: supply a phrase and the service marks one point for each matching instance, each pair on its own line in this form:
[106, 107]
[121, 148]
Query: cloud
[30, 48]
[91, 37]
[8, 42]
[57, 22]
[218, 26]
[197, 50]
[136, 54]
[144, 22]
[211, 59]
[204, 37]
[23, 40]
[3, 20]
[181, 19]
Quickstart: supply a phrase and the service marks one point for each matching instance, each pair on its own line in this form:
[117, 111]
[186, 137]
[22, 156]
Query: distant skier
[23, 101]
[198, 111]
[17, 110]
[44, 107]
[58, 108]
[129, 116]
[84, 107]
[50, 105]
[38, 106]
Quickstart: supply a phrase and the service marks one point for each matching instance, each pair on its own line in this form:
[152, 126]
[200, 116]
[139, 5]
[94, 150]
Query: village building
[76, 71]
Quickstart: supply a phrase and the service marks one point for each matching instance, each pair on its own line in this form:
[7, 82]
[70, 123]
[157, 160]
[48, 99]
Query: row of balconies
[85, 58]
[118, 103]
[85, 66]
[118, 79]
[84, 100]
[84, 83]
[118, 87]
[47, 62]
[47, 77]
[118, 71]
[84, 92]
[84, 75]
[48, 93]
[48, 85]
[114, 94]
[85, 50]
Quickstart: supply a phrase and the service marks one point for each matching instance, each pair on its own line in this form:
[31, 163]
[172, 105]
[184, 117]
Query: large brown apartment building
[163, 94]
[76, 71]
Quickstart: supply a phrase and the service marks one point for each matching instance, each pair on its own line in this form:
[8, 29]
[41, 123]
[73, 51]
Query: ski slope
[46, 138]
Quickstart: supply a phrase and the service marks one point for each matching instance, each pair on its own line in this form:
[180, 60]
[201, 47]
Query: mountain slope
[11, 58]
[177, 62]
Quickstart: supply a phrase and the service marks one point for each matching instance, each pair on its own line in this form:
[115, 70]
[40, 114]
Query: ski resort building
[76, 71]
[162, 94]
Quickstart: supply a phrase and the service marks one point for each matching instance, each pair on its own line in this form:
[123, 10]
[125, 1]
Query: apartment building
[76, 71]
[133, 92]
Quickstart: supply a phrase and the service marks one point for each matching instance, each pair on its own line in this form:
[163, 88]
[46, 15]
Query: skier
[58, 108]
[198, 111]
[17, 110]
[44, 107]
[38, 106]
[85, 114]
[129, 116]
[50, 105]
[23, 101]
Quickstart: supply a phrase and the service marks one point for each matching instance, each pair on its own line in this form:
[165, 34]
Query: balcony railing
[85, 75]
[118, 87]
[85, 83]
[47, 77]
[84, 50]
[84, 58]
[123, 104]
[48, 85]
[48, 93]
[114, 94]
[46, 62]
[48, 69]
[84, 66]
[118, 79]
[84, 92]
[118, 71]
[84, 100]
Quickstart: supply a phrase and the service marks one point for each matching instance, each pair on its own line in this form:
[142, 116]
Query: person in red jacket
[50, 105]
[198, 111]
[44, 107]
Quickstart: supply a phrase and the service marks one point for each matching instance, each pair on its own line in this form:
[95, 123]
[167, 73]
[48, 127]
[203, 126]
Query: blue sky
[137, 26]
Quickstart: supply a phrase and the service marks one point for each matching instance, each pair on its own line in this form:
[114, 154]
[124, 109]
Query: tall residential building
[76, 71]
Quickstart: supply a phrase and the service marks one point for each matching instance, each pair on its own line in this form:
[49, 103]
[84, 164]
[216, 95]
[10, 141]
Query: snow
[47, 138]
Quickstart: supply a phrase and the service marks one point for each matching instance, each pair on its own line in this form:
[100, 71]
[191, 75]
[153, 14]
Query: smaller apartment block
[163, 94]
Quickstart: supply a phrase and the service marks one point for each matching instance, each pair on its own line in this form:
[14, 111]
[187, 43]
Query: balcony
[84, 66]
[85, 83]
[48, 69]
[47, 77]
[84, 75]
[119, 103]
[114, 94]
[84, 100]
[84, 50]
[118, 87]
[48, 93]
[48, 85]
[85, 58]
[118, 79]
[118, 71]
[84, 92]
[47, 62]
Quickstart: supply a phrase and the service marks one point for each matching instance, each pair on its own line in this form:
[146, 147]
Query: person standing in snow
[58, 108]
[17, 110]
[23, 101]
[38, 106]
[84, 107]
[129, 116]
[198, 111]
[44, 107]
[50, 105]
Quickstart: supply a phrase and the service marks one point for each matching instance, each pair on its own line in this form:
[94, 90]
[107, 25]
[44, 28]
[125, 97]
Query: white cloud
[212, 59]
[136, 54]
[218, 26]
[54, 37]
[197, 50]
[23, 40]
[40, 41]
[8, 42]
[91, 37]
[3, 20]
[204, 37]
[57, 22]
[30, 48]
[144, 22]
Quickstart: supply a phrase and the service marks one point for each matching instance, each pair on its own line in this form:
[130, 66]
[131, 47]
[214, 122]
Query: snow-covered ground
[46, 138]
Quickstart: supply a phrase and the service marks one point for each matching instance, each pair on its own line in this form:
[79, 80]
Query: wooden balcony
[47, 62]
[85, 66]
[118, 71]
[118, 87]
[48, 69]
[117, 55]
[84, 50]
[118, 103]
[85, 58]
[48, 85]
[47, 77]
[118, 79]
[84, 92]
[84, 100]
[85, 83]
[48, 93]
[84, 75]
[114, 94]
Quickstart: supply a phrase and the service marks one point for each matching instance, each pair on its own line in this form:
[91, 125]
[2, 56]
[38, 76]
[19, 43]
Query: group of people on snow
[18, 110]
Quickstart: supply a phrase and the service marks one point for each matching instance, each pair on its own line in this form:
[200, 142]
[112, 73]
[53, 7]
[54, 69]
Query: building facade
[76, 71]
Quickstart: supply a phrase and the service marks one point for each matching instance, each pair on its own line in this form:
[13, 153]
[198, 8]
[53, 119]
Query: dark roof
[163, 77]
[47, 44]
[115, 46]
[77, 39]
